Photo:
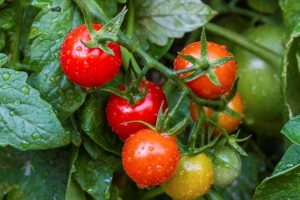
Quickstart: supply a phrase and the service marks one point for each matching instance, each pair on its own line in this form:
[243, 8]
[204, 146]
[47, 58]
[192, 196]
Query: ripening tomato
[193, 178]
[88, 67]
[150, 158]
[227, 121]
[202, 86]
[119, 111]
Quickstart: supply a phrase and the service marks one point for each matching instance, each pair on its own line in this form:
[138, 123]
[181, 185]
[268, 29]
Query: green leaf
[159, 20]
[109, 8]
[99, 154]
[33, 175]
[173, 93]
[93, 123]
[291, 13]
[2, 40]
[74, 192]
[285, 181]
[3, 59]
[7, 19]
[290, 76]
[26, 120]
[94, 177]
[47, 34]
[292, 130]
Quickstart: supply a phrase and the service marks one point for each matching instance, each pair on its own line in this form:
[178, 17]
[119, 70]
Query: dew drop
[35, 136]
[17, 102]
[25, 89]
[6, 76]
[25, 144]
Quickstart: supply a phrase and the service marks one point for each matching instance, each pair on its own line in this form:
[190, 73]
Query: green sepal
[232, 141]
[161, 118]
[193, 76]
[213, 77]
[178, 128]
[221, 61]
[203, 43]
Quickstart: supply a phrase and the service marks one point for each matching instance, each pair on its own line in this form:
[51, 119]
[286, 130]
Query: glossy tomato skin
[202, 86]
[193, 178]
[88, 67]
[228, 122]
[227, 166]
[118, 110]
[150, 158]
[259, 82]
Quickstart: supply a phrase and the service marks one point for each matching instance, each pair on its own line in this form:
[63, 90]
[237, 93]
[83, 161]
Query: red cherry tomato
[88, 67]
[118, 110]
[228, 122]
[202, 86]
[150, 158]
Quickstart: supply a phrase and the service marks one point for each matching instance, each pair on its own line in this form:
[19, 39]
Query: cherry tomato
[150, 158]
[202, 86]
[118, 110]
[227, 166]
[227, 121]
[193, 178]
[88, 67]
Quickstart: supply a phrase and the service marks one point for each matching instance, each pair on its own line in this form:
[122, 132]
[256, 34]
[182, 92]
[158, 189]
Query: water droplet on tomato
[151, 148]
[79, 48]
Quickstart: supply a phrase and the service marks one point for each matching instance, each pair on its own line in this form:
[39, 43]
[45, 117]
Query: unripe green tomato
[227, 166]
[259, 82]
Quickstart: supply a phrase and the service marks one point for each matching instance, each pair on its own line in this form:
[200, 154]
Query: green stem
[14, 58]
[130, 19]
[194, 36]
[266, 54]
[175, 109]
[249, 13]
[170, 57]
[152, 193]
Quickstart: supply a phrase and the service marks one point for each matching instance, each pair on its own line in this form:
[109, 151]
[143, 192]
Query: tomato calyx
[109, 32]
[202, 66]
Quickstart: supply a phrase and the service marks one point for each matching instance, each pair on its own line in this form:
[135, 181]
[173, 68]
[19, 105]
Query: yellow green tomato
[193, 178]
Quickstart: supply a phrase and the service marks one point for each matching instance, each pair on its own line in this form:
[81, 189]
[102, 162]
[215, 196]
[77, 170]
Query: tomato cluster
[151, 157]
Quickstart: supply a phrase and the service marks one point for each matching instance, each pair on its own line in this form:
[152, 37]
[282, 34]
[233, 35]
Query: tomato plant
[88, 67]
[228, 122]
[150, 158]
[193, 178]
[95, 95]
[227, 166]
[202, 86]
[119, 110]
